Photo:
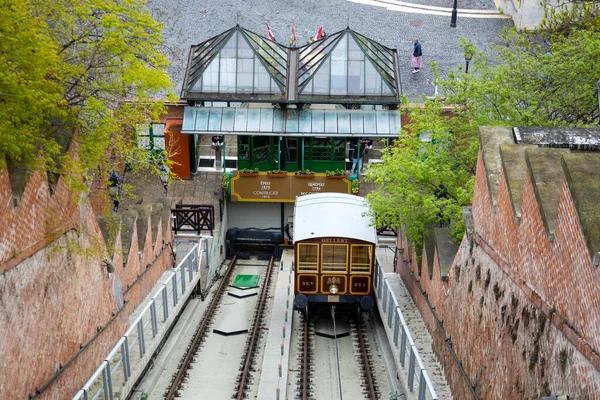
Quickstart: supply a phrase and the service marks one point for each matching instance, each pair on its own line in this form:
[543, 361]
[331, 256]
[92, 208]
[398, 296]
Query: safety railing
[416, 373]
[116, 369]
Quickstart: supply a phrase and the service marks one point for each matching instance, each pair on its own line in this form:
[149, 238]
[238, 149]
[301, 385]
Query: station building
[280, 121]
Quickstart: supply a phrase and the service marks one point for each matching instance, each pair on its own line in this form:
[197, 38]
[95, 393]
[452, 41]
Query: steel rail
[370, 381]
[253, 340]
[199, 334]
[305, 359]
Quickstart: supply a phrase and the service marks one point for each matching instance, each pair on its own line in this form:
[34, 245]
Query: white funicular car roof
[333, 215]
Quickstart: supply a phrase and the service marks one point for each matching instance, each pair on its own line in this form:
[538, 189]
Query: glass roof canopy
[342, 68]
[290, 122]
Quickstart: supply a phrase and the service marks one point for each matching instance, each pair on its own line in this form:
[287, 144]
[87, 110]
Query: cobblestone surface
[189, 22]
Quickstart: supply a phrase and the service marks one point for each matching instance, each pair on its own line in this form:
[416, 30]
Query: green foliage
[304, 172]
[276, 172]
[94, 65]
[428, 182]
[355, 186]
[427, 176]
[335, 172]
[225, 180]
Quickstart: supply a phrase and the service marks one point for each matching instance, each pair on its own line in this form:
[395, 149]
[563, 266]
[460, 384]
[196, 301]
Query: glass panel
[189, 116]
[321, 79]
[253, 120]
[354, 51]
[227, 75]
[229, 50]
[214, 120]
[305, 125]
[318, 121]
[277, 120]
[331, 121]
[383, 123]
[372, 80]
[334, 257]
[210, 78]
[341, 50]
[291, 123]
[262, 79]
[339, 76]
[245, 71]
[244, 49]
[159, 142]
[356, 77]
[201, 119]
[343, 122]
[394, 122]
[386, 89]
[227, 121]
[360, 259]
[241, 118]
[308, 257]
[356, 122]
[266, 120]
[143, 141]
[370, 124]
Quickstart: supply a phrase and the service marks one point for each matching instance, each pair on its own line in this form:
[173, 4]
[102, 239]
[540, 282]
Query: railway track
[250, 350]
[184, 373]
[363, 369]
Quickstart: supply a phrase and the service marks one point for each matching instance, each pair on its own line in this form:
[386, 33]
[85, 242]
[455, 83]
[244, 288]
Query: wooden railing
[193, 218]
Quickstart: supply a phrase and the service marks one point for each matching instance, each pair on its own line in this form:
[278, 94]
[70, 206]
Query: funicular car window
[361, 258]
[308, 257]
[334, 257]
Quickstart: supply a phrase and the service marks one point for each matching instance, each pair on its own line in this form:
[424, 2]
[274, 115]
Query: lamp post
[164, 177]
[115, 189]
[468, 58]
[454, 12]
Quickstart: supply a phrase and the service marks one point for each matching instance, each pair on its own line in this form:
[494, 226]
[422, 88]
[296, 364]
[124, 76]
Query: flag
[270, 33]
[319, 33]
[293, 36]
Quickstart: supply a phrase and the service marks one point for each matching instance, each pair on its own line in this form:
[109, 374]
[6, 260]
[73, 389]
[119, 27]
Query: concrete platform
[277, 344]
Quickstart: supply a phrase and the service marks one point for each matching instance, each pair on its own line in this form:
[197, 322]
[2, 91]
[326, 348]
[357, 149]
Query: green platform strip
[242, 281]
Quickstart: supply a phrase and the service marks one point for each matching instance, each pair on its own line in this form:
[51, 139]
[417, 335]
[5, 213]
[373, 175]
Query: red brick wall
[55, 293]
[523, 312]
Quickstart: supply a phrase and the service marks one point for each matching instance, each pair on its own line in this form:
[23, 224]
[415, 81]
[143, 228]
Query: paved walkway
[414, 321]
[396, 25]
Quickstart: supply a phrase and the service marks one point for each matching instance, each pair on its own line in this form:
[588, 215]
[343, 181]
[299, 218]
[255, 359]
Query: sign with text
[283, 189]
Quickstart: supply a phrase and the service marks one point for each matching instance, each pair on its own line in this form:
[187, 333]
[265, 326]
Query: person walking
[417, 57]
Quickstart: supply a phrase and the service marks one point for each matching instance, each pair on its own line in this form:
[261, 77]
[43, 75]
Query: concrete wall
[55, 292]
[526, 14]
[521, 311]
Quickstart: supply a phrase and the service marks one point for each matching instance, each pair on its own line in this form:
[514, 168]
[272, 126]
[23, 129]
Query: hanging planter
[248, 172]
[336, 174]
[304, 173]
[277, 173]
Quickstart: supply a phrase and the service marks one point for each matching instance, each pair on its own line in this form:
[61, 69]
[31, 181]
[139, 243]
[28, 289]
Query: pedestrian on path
[417, 57]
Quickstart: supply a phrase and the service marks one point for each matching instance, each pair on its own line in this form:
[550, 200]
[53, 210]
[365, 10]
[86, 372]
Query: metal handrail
[416, 371]
[185, 270]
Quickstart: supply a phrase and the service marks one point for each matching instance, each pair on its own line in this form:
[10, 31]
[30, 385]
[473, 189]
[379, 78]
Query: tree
[542, 78]
[96, 66]
[427, 176]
